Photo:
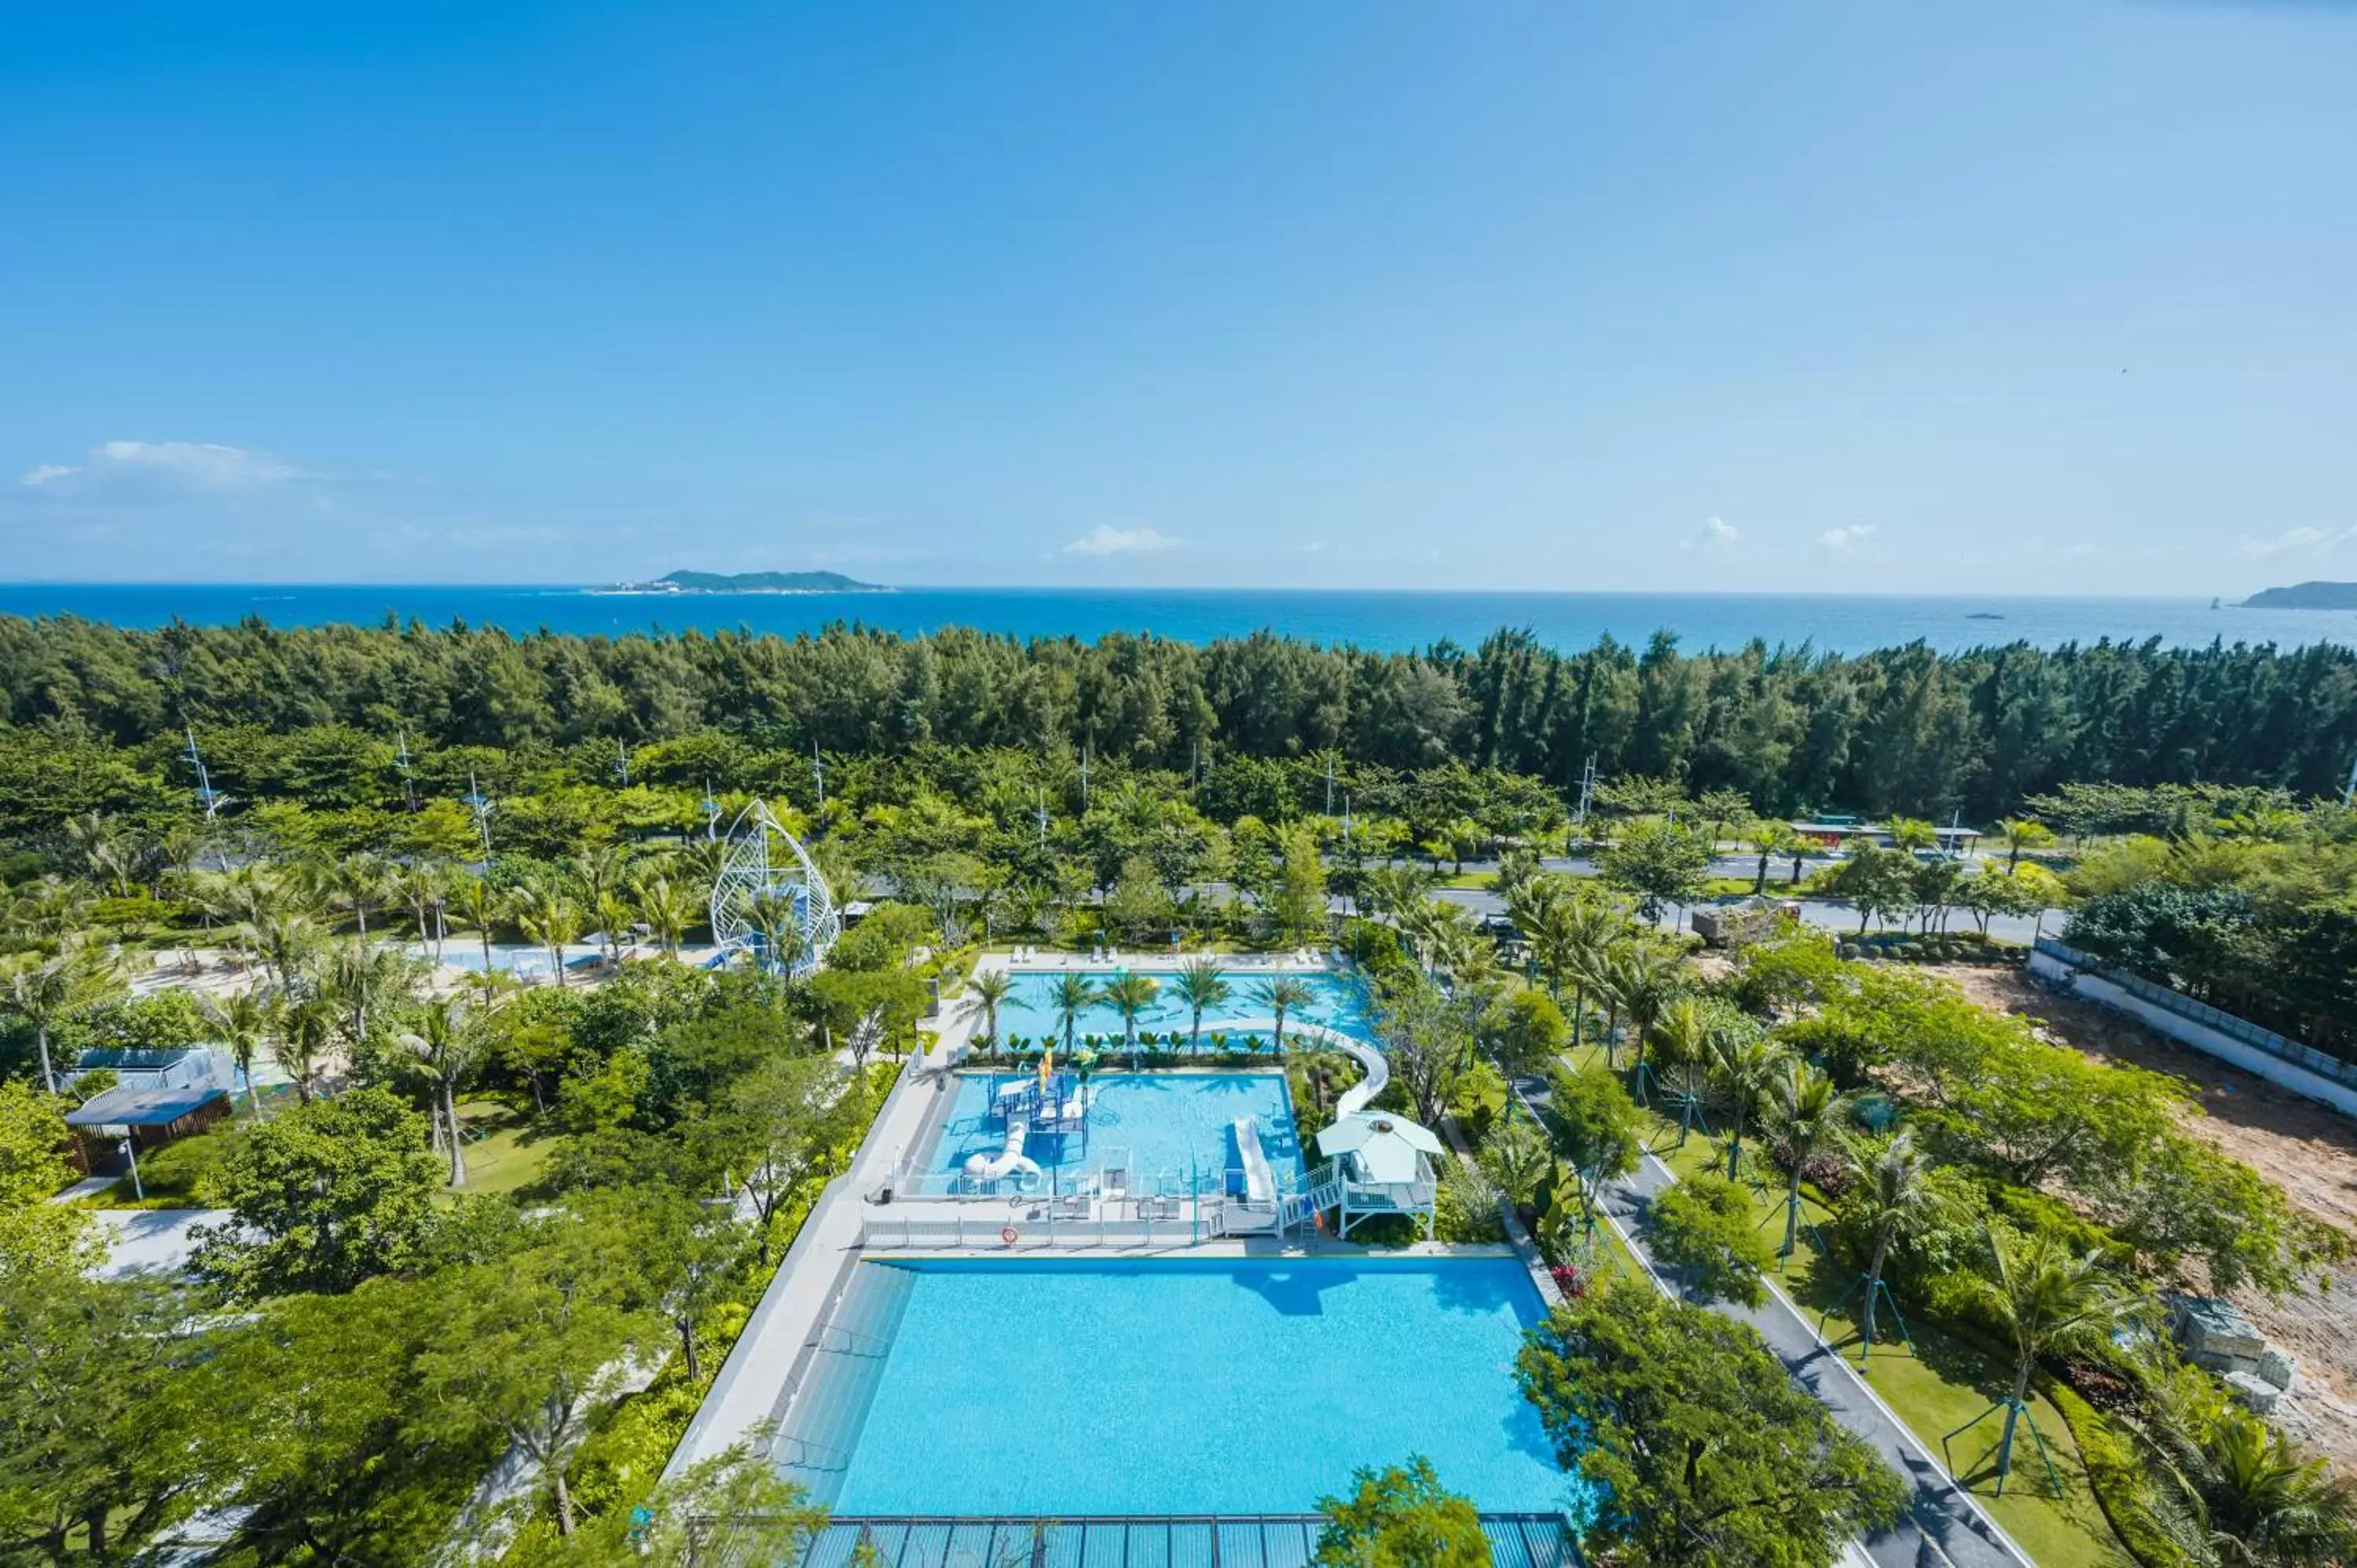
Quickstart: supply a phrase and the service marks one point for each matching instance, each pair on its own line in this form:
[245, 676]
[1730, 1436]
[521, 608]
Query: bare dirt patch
[2307, 1150]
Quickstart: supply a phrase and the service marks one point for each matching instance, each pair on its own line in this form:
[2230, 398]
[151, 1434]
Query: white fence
[2281, 1062]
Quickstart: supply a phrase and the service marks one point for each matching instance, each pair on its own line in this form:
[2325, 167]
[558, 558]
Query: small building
[156, 1096]
[1377, 1162]
[1829, 830]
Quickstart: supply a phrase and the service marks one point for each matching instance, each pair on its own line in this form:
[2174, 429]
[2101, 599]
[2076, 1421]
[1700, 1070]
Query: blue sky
[1548, 296]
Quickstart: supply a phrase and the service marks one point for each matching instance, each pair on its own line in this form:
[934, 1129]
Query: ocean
[1386, 621]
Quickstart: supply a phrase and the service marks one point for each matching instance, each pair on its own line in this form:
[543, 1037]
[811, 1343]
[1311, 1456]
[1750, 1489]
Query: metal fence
[1142, 1222]
[2184, 1006]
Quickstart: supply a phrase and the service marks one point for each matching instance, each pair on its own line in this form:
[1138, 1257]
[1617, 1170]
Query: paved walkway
[1948, 1525]
[752, 1384]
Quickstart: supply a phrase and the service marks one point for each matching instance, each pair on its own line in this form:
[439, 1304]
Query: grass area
[505, 1149]
[1936, 1382]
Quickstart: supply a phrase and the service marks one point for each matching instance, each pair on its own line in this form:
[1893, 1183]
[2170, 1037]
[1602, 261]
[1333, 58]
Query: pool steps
[847, 1355]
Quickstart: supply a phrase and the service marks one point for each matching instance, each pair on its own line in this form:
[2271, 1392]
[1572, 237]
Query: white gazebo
[1377, 1162]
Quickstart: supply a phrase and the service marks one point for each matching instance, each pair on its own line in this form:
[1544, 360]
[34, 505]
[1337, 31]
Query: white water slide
[1008, 1161]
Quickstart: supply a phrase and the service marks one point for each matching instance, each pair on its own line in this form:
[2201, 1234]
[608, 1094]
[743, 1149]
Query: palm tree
[1807, 1115]
[599, 872]
[665, 913]
[1129, 995]
[1201, 987]
[1281, 996]
[1392, 890]
[306, 1024]
[1070, 996]
[1644, 982]
[1745, 1066]
[425, 886]
[2253, 1498]
[1894, 1192]
[2044, 1297]
[548, 918]
[364, 980]
[244, 1022]
[283, 938]
[358, 882]
[1683, 1034]
[1549, 925]
[478, 906]
[1589, 930]
[1911, 833]
[2021, 834]
[1772, 839]
[774, 914]
[44, 992]
[985, 993]
[446, 1049]
[1518, 1158]
[614, 915]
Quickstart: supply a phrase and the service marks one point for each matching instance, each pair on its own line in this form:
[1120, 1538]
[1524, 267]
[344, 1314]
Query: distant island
[2304, 596]
[748, 582]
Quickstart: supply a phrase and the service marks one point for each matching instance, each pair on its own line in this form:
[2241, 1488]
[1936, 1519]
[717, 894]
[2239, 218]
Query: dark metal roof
[1227, 1541]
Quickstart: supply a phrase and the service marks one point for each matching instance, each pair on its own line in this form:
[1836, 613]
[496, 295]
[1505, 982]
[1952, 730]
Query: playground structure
[769, 900]
[1055, 1105]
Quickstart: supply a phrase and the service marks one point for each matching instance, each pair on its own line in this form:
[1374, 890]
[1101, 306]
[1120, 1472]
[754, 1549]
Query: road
[1825, 914]
[1946, 1525]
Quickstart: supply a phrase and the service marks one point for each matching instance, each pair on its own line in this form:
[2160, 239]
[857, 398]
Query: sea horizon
[1387, 620]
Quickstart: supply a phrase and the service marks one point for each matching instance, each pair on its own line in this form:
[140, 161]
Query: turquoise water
[1198, 1386]
[1388, 621]
[1340, 1004]
[1166, 1126]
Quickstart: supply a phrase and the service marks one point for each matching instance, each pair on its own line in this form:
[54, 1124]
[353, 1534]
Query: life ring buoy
[1010, 1235]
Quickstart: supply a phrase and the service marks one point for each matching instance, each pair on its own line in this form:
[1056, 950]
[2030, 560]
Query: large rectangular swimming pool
[1171, 1386]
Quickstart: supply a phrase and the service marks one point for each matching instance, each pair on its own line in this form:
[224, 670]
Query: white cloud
[1107, 540]
[2313, 540]
[497, 535]
[1718, 533]
[1842, 541]
[156, 470]
[206, 464]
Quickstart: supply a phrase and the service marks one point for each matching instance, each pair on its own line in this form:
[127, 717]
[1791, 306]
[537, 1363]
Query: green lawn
[504, 1149]
[1934, 1385]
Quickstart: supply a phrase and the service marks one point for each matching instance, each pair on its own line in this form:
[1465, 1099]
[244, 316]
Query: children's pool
[1336, 1001]
[1164, 1128]
[1170, 1386]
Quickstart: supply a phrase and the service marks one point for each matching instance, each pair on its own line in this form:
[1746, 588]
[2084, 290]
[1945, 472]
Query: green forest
[1904, 729]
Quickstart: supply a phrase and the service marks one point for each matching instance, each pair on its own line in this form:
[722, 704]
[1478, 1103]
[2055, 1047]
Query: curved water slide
[1008, 1161]
[1360, 1095]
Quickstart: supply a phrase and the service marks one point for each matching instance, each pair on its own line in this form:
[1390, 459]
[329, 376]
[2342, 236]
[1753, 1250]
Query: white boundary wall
[2200, 1036]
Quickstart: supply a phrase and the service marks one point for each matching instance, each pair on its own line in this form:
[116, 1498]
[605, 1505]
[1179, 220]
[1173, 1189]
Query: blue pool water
[1198, 1386]
[1167, 1125]
[1340, 1003]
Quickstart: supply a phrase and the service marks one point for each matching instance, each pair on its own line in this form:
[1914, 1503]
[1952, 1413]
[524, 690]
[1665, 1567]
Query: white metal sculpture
[770, 900]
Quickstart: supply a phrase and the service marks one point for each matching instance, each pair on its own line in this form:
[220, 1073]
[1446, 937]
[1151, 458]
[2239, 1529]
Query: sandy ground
[2309, 1151]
